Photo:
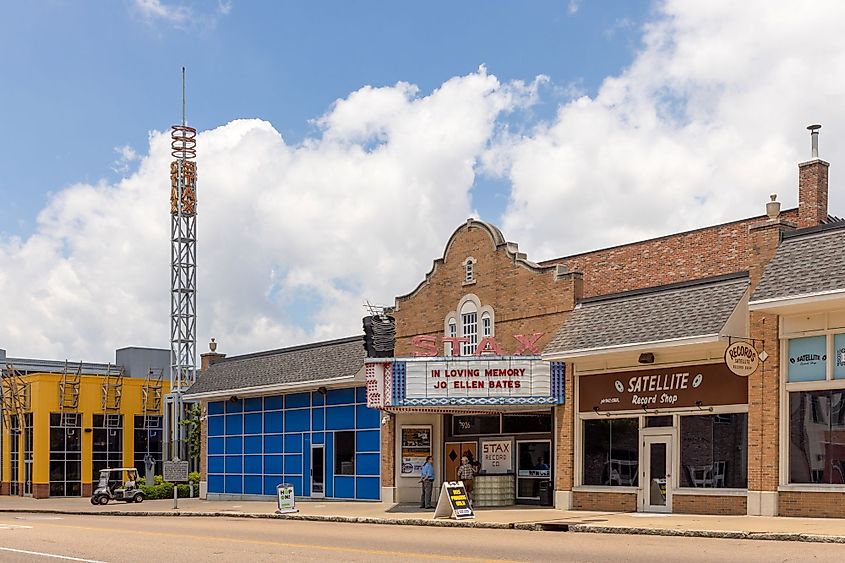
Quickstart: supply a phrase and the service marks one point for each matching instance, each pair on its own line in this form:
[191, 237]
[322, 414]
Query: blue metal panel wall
[256, 443]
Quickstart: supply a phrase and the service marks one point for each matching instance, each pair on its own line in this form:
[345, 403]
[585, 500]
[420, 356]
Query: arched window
[451, 330]
[469, 328]
[486, 325]
[469, 270]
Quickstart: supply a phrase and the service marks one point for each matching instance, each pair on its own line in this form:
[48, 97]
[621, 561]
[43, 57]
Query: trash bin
[545, 493]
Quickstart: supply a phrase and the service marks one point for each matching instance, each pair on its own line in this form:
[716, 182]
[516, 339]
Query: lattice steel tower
[183, 276]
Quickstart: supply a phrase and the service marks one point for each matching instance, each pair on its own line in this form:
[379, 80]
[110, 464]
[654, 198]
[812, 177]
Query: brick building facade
[666, 307]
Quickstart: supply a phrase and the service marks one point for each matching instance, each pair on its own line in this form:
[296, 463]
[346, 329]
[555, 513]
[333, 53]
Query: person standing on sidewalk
[427, 483]
[465, 473]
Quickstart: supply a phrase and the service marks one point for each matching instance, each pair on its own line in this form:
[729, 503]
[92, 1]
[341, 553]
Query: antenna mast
[183, 278]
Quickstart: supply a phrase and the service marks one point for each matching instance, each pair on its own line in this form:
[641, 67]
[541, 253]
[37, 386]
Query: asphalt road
[153, 539]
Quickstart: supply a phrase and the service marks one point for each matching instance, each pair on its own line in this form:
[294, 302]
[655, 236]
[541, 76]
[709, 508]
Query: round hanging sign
[742, 359]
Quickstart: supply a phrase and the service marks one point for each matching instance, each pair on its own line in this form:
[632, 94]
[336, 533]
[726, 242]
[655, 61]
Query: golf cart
[117, 484]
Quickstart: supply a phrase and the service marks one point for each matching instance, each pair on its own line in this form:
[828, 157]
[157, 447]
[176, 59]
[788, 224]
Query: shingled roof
[689, 310]
[317, 362]
[808, 262]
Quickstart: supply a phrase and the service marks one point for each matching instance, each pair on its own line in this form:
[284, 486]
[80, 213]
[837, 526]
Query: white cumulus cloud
[707, 121]
[292, 238]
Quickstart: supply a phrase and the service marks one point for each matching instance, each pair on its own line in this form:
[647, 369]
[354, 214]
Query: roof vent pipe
[814, 136]
[773, 207]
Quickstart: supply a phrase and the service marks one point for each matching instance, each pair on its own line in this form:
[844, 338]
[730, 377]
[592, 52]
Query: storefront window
[470, 425]
[807, 359]
[344, 457]
[817, 437]
[611, 452]
[714, 451]
[65, 454]
[839, 356]
[526, 423]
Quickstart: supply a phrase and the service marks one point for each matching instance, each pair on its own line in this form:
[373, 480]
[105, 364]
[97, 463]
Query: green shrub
[194, 477]
[165, 491]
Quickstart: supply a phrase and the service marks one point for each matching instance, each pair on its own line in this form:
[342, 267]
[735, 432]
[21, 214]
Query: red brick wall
[711, 251]
[709, 504]
[614, 502]
[815, 505]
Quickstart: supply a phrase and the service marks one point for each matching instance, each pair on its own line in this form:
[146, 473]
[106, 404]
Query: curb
[526, 526]
[272, 516]
[721, 534]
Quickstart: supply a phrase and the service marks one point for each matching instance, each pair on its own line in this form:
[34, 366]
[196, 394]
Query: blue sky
[341, 143]
[82, 78]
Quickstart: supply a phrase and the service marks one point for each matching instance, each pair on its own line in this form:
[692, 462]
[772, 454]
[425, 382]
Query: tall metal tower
[183, 277]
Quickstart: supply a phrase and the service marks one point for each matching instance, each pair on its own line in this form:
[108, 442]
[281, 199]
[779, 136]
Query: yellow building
[62, 425]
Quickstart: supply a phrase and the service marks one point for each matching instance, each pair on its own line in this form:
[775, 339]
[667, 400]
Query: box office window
[839, 356]
[817, 437]
[611, 452]
[714, 451]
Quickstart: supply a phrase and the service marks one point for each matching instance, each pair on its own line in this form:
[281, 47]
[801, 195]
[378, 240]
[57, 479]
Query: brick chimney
[211, 357]
[812, 185]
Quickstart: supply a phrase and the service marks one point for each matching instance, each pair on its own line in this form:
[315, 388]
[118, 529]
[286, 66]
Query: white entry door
[657, 474]
[318, 471]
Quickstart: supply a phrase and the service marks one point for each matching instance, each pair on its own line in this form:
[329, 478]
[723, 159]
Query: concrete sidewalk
[522, 518]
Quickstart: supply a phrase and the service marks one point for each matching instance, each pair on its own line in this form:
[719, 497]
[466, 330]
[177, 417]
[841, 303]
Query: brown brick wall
[814, 505]
[4, 488]
[525, 300]
[712, 251]
[614, 502]
[812, 192]
[709, 504]
[40, 490]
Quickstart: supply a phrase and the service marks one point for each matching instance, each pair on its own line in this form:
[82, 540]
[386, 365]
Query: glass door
[318, 471]
[657, 477]
[534, 472]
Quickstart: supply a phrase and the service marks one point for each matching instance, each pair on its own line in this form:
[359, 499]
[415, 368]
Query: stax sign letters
[742, 358]
[427, 345]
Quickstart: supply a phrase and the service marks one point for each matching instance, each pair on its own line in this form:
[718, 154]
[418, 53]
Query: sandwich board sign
[453, 502]
[285, 498]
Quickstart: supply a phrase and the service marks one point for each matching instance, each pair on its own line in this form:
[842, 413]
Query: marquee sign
[487, 380]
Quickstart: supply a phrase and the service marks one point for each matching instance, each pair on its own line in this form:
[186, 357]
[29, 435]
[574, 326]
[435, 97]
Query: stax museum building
[599, 381]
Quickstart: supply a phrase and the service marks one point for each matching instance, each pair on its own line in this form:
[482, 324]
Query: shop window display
[611, 452]
[714, 451]
[817, 437]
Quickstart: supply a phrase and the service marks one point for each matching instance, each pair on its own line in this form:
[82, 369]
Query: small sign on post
[285, 498]
[175, 472]
[453, 502]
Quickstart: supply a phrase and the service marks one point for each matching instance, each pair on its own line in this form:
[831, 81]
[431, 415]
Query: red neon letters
[426, 345]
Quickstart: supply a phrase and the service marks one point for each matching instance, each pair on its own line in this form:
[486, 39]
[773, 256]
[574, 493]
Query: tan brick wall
[388, 463]
[709, 504]
[565, 437]
[615, 502]
[814, 505]
[764, 384]
[711, 251]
